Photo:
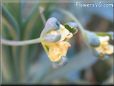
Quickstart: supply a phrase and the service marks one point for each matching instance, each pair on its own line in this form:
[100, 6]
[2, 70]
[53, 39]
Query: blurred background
[21, 20]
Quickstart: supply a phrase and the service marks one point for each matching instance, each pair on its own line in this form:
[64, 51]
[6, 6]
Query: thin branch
[41, 10]
[20, 43]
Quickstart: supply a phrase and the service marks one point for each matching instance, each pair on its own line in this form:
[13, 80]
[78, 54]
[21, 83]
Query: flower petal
[65, 34]
[105, 47]
[104, 38]
[58, 50]
[109, 50]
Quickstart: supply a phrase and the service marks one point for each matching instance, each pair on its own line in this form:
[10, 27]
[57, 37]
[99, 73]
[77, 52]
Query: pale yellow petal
[100, 50]
[54, 54]
[64, 33]
[64, 47]
[58, 50]
[109, 50]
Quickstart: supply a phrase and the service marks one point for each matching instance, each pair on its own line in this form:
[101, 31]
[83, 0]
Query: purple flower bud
[51, 24]
[62, 62]
[72, 24]
[93, 40]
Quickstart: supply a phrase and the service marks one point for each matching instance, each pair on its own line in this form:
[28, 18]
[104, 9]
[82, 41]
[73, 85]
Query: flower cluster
[56, 36]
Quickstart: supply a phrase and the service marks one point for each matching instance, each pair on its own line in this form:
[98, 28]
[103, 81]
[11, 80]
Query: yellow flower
[56, 50]
[105, 47]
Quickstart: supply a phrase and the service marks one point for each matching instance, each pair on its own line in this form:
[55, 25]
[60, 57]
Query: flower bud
[72, 27]
[93, 40]
[51, 24]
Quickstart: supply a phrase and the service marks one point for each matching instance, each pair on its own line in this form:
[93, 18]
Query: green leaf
[14, 9]
[32, 28]
[8, 68]
[10, 19]
[32, 13]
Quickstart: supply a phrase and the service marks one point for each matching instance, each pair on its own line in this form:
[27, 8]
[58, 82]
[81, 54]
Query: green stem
[20, 43]
[41, 10]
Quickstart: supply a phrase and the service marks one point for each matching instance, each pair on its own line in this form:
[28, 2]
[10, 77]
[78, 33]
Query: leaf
[14, 51]
[31, 25]
[31, 14]
[8, 16]
[8, 69]
[14, 10]
[9, 28]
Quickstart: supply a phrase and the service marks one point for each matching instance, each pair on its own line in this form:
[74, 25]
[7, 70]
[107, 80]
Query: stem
[20, 43]
[41, 9]
[27, 42]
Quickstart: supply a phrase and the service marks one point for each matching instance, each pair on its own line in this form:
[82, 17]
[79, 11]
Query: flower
[55, 37]
[57, 50]
[104, 48]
